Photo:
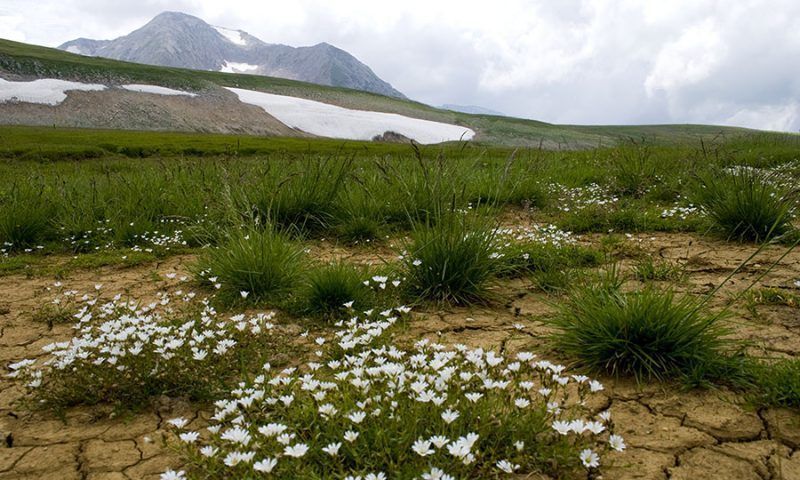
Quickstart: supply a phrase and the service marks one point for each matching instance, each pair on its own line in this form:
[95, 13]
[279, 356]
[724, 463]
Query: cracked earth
[670, 432]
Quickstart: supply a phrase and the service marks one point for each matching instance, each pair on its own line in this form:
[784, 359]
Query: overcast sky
[732, 62]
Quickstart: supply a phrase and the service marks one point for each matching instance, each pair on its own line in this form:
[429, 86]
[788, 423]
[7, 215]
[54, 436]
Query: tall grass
[747, 204]
[647, 334]
[453, 259]
[263, 263]
[26, 215]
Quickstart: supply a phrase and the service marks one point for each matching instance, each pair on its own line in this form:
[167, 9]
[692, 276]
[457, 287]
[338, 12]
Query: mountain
[174, 39]
[473, 109]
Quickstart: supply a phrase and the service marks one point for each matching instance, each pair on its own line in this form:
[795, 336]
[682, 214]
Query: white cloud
[568, 61]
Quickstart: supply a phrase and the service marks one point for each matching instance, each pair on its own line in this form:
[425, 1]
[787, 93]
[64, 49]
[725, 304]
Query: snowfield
[47, 91]
[233, 36]
[234, 67]
[336, 122]
[135, 87]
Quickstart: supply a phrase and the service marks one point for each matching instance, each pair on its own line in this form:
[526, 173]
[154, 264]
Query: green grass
[327, 288]
[265, 264]
[452, 260]
[775, 384]
[646, 334]
[648, 269]
[747, 204]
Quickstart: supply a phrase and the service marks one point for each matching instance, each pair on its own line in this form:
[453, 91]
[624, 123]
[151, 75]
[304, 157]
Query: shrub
[328, 288]
[745, 204]
[253, 265]
[646, 334]
[124, 354]
[453, 260]
[375, 410]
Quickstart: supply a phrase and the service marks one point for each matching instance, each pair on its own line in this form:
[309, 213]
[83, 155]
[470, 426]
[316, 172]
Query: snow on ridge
[47, 91]
[327, 120]
[234, 36]
[140, 88]
[234, 67]
[74, 49]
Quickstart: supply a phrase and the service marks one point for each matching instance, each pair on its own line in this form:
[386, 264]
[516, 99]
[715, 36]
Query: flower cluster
[126, 351]
[682, 212]
[579, 198]
[541, 234]
[374, 410]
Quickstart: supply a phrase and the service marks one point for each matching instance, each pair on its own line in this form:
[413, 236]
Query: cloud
[570, 61]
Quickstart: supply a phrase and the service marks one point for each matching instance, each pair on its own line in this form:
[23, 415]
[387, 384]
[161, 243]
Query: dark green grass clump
[647, 334]
[453, 260]
[747, 205]
[265, 264]
[328, 288]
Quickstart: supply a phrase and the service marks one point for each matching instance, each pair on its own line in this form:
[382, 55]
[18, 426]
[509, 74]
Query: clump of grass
[253, 265]
[746, 204]
[452, 260]
[633, 171]
[329, 288]
[648, 269]
[775, 384]
[769, 296]
[647, 334]
[26, 213]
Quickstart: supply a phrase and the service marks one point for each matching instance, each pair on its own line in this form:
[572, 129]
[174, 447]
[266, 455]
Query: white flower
[616, 442]
[375, 476]
[272, 429]
[422, 448]
[590, 459]
[507, 466]
[179, 422]
[357, 417]
[449, 416]
[297, 450]
[562, 427]
[519, 445]
[605, 416]
[595, 427]
[332, 449]
[235, 458]
[208, 451]
[244, 294]
[473, 397]
[436, 474]
[189, 437]
[439, 440]
[173, 475]
[265, 465]
[595, 386]
[348, 304]
[522, 402]
[237, 435]
[350, 436]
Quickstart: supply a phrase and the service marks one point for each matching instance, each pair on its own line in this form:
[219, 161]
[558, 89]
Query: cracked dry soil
[671, 433]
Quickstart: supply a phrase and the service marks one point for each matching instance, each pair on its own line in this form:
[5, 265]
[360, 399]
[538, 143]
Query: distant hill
[473, 109]
[216, 109]
[174, 39]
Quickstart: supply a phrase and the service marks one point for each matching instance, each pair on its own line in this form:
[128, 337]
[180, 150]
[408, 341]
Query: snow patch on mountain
[235, 67]
[336, 122]
[135, 87]
[234, 36]
[46, 91]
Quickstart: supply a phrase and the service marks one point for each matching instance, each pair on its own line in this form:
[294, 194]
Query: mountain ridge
[175, 39]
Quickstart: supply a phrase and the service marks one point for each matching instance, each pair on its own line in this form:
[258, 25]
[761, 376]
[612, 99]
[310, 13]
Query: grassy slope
[31, 60]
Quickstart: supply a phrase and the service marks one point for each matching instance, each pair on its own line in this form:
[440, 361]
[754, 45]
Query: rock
[783, 425]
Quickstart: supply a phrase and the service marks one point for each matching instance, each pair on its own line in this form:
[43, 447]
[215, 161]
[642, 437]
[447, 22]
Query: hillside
[19, 61]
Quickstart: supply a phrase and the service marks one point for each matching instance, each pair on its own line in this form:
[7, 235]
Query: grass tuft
[329, 287]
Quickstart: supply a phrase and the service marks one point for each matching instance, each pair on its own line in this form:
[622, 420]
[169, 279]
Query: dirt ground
[670, 432]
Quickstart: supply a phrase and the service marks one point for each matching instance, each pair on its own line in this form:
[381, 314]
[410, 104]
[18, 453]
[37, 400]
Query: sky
[562, 61]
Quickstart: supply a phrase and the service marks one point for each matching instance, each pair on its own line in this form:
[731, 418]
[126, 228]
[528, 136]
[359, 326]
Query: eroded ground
[670, 432]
